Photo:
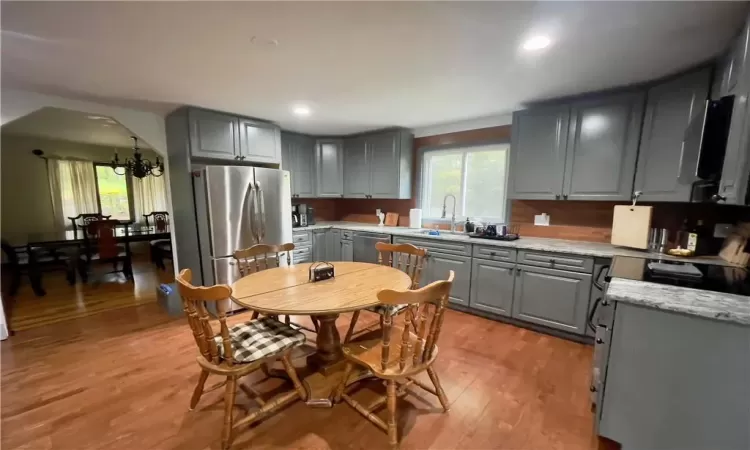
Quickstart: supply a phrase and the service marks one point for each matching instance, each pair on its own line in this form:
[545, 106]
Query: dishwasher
[364, 246]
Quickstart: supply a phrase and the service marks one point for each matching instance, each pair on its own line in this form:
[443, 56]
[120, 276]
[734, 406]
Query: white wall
[25, 201]
[464, 125]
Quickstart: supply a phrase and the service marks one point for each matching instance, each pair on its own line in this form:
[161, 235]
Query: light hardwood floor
[64, 302]
[122, 379]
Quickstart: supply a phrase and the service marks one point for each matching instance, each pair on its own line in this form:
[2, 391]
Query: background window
[475, 175]
[114, 198]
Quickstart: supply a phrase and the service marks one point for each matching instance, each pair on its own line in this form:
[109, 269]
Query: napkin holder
[320, 271]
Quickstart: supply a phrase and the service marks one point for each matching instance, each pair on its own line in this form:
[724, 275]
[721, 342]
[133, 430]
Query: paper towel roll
[415, 218]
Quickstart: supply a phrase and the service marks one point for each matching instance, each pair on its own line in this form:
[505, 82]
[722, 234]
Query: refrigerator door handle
[262, 221]
[247, 214]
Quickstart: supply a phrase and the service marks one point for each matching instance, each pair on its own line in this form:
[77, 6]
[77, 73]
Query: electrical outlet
[541, 220]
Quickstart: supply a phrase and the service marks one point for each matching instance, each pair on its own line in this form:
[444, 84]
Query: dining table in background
[287, 290]
[71, 245]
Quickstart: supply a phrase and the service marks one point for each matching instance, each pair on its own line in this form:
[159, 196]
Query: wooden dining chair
[397, 354]
[237, 351]
[86, 219]
[100, 244]
[405, 257]
[261, 257]
[159, 249]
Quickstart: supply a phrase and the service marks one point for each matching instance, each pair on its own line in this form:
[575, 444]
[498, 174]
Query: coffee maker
[306, 215]
[296, 216]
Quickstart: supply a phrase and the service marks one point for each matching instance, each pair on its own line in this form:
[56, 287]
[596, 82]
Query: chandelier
[137, 166]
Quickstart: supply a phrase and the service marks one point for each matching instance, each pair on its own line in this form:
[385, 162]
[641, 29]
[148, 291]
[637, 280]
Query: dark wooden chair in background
[81, 221]
[261, 257]
[32, 262]
[160, 249]
[405, 257]
[100, 243]
[237, 351]
[399, 360]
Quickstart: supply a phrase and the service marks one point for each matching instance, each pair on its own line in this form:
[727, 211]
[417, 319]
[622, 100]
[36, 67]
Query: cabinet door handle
[592, 388]
[518, 271]
[510, 271]
[557, 196]
[599, 341]
[492, 253]
[565, 196]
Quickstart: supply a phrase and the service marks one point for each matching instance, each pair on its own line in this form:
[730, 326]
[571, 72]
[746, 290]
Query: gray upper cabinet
[437, 266]
[735, 173]
[356, 170]
[329, 168]
[213, 135]
[553, 298]
[259, 141]
[602, 147]
[298, 154]
[378, 165]
[670, 106]
[538, 142]
[383, 150]
[492, 286]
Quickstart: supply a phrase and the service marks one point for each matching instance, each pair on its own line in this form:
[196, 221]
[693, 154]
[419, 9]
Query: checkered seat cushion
[260, 338]
[382, 309]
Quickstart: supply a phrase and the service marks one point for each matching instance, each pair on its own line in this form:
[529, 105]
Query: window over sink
[476, 175]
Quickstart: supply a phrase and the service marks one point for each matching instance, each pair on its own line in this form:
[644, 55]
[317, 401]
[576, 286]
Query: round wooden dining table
[288, 290]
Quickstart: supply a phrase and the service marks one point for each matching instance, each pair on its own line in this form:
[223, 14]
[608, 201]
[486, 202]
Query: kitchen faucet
[453, 216]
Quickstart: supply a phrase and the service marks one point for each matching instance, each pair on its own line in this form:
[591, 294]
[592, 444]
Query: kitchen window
[476, 175]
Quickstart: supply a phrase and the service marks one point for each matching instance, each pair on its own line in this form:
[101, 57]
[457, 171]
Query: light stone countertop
[711, 305]
[594, 249]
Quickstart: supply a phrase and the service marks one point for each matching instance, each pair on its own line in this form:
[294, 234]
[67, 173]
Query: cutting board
[391, 219]
[631, 225]
[735, 244]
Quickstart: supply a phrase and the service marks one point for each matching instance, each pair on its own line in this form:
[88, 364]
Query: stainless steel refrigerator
[238, 207]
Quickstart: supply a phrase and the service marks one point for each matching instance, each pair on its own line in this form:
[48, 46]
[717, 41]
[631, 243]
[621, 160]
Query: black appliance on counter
[707, 277]
[302, 215]
[706, 142]
[296, 217]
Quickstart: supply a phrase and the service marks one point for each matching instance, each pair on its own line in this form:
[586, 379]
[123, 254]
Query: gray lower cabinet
[319, 245]
[437, 266]
[329, 168]
[364, 246]
[539, 139]
[602, 147]
[333, 245]
[670, 106]
[347, 250]
[213, 134]
[298, 157]
[553, 298]
[259, 142]
[492, 286]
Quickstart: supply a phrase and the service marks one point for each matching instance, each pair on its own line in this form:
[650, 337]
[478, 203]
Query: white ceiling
[358, 65]
[72, 126]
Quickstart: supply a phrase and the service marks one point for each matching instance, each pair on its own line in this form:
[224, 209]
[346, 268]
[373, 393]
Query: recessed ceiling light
[97, 117]
[301, 110]
[537, 42]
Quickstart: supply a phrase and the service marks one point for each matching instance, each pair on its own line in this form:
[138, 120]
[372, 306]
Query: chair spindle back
[194, 303]
[426, 311]
[161, 220]
[405, 257]
[103, 231]
[259, 257]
